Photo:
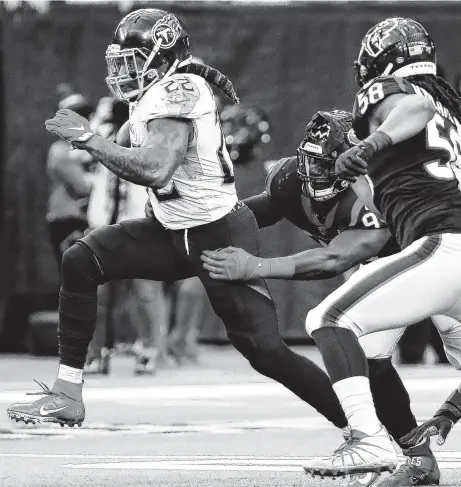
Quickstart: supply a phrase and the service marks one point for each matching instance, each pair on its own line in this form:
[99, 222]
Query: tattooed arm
[152, 164]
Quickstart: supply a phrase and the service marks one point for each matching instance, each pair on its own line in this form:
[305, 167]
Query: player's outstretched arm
[151, 165]
[441, 424]
[344, 252]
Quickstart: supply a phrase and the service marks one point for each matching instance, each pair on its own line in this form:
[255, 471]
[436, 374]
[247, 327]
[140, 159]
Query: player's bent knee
[79, 265]
[323, 317]
[314, 320]
[255, 349]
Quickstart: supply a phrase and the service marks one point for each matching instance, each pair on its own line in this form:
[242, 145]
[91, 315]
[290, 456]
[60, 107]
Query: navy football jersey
[415, 188]
[322, 220]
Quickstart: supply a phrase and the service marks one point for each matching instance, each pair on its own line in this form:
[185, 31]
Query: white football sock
[70, 374]
[355, 397]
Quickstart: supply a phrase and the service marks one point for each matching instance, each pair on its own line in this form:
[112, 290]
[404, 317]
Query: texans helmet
[397, 46]
[327, 135]
[147, 45]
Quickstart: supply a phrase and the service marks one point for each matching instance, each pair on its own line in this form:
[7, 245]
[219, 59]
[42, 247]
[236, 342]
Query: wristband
[280, 267]
[375, 142]
[451, 409]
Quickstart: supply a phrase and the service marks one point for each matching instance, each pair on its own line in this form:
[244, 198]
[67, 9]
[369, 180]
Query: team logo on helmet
[375, 41]
[166, 31]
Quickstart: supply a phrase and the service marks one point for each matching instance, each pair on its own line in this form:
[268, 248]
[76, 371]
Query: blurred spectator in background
[142, 302]
[70, 175]
[413, 344]
[245, 130]
[189, 309]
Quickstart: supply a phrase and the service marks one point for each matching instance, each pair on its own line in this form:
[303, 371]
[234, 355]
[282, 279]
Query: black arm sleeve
[264, 209]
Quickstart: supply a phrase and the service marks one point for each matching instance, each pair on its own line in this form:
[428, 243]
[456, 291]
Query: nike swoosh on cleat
[77, 128]
[366, 479]
[46, 412]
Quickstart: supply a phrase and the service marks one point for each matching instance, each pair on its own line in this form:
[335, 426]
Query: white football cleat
[368, 479]
[360, 454]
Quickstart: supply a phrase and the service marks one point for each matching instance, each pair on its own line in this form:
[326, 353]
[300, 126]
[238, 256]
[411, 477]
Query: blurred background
[286, 60]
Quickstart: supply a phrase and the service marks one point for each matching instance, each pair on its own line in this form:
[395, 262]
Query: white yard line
[214, 391]
[241, 463]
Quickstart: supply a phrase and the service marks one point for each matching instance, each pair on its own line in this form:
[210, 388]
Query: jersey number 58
[373, 95]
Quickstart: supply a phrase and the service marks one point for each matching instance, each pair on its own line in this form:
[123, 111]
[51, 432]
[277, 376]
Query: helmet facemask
[132, 71]
[327, 136]
[317, 173]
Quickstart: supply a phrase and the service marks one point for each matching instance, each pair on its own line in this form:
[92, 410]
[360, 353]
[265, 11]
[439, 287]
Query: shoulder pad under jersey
[179, 96]
[354, 214]
[274, 171]
[376, 91]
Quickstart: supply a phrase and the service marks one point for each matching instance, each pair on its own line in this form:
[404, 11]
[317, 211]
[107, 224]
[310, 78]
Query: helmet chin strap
[172, 69]
[177, 65]
[320, 194]
[388, 69]
[155, 50]
[325, 194]
[185, 62]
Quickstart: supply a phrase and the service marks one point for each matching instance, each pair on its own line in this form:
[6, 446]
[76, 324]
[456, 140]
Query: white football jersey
[202, 188]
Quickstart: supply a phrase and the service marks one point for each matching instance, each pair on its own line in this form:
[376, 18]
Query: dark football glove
[352, 163]
[441, 424]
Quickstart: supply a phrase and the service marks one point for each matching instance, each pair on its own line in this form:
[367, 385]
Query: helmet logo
[166, 31]
[316, 149]
[374, 42]
[416, 48]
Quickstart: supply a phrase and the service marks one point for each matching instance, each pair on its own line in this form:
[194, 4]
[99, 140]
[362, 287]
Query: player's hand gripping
[70, 126]
[352, 163]
[230, 264]
[440, 425]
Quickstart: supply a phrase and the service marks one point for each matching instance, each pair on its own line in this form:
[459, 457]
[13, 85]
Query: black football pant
[145, 249]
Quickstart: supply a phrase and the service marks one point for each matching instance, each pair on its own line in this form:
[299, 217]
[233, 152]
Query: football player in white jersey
[177, 151]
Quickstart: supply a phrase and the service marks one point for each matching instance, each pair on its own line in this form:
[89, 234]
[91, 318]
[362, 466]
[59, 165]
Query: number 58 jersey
[415, 183]
[202, 188]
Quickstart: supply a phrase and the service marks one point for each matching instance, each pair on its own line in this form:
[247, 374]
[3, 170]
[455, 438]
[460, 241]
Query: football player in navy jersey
[305, 190]
[409, 121]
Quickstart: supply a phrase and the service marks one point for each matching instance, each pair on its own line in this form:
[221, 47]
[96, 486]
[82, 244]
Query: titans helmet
[147, 45]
